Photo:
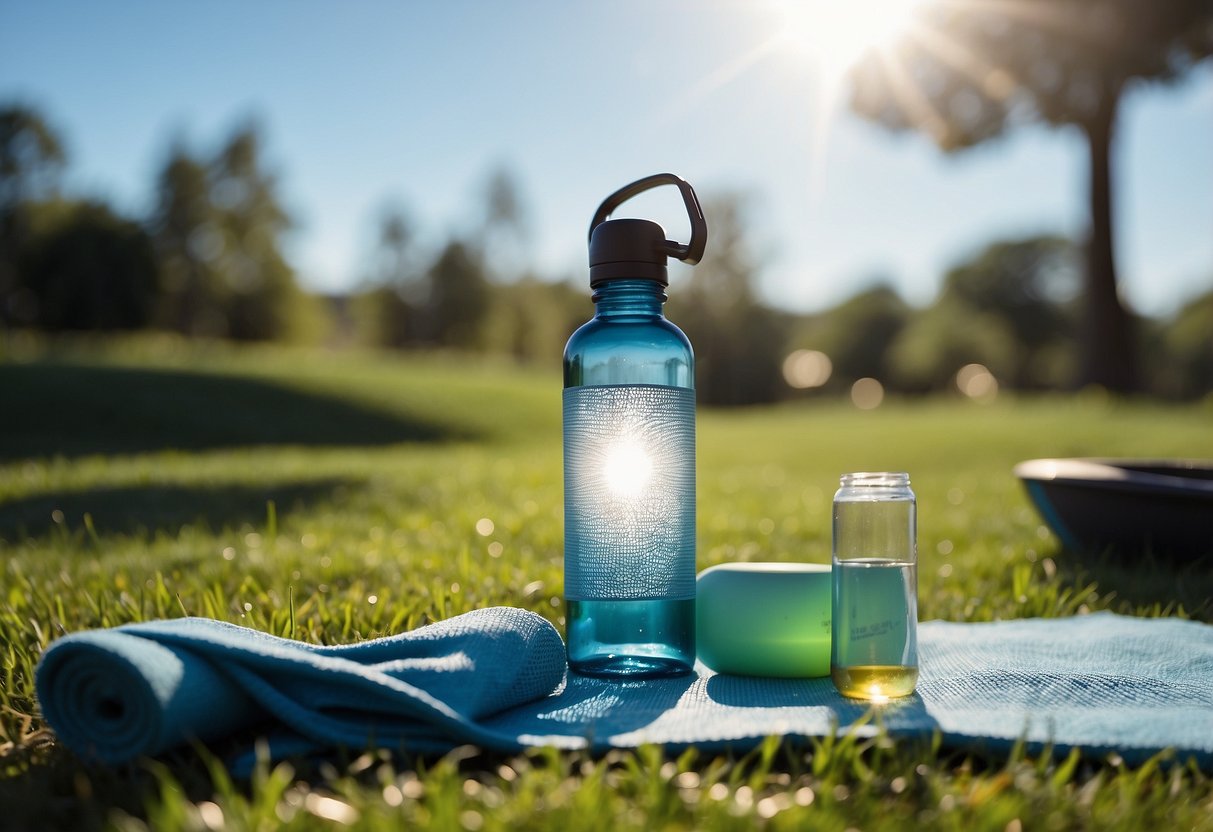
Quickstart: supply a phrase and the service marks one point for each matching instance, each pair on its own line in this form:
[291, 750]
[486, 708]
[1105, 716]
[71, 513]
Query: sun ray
[1042, 16]
[722, 75]
[995, 82]
[913, 102]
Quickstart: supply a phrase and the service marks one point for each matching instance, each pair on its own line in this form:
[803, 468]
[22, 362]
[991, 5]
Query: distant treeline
[208, 261]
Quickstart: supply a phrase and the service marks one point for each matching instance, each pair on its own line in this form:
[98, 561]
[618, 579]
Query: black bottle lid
[634, 248]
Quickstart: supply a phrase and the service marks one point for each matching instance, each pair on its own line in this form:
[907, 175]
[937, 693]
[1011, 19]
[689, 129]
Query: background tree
[459, 301]
[505, 227]
[1187, 349]
[31, 157]
[966, 71]
[532, 318]
[939, 340]
[1020, 288]
[389, 313]
[857, 335]
[85, 268]
[738, 341]
[218, 225]
[31, 161]
[252, 222]
[187, 244]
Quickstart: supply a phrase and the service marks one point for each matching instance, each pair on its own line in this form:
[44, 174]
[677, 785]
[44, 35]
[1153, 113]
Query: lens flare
[867, 393]
[977, 382]
[804, 369]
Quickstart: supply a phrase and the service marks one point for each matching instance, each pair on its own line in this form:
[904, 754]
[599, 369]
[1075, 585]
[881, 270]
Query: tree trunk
[1109, 348]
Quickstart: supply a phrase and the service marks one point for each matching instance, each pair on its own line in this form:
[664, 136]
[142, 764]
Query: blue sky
[417, 101]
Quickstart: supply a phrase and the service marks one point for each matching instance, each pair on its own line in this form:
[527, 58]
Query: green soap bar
[764, 619]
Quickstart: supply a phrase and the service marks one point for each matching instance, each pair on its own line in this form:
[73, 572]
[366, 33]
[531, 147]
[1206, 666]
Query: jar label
[629, 492]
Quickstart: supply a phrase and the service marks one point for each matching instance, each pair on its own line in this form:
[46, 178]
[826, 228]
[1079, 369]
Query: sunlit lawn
[373, 494]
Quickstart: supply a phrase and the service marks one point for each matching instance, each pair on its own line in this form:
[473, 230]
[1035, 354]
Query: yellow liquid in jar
[877, 683]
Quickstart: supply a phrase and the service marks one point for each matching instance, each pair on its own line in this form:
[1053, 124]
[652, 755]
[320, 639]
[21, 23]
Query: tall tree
[967, 70]
[31, 160]
[505, 227]
[739, 342]
[252, 222]
[459, 296]
[388, 312]
[31, 157]
[219, 224]
[186, 245]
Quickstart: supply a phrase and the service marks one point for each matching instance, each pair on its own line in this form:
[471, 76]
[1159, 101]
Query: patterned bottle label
[629, 493]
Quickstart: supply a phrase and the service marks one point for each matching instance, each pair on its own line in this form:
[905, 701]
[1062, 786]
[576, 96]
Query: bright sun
[834, 34]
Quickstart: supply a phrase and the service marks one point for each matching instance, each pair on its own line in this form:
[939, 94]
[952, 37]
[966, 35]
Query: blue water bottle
[629, 454]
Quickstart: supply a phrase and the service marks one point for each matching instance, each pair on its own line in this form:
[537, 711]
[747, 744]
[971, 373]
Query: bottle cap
[627, 248]
[634, 248]
[764, 619]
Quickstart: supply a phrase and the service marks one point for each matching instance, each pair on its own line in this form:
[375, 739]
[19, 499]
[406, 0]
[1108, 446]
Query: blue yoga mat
[497, 678]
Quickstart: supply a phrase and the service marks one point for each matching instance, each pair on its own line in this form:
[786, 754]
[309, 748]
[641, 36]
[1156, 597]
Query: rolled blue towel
[140, 689]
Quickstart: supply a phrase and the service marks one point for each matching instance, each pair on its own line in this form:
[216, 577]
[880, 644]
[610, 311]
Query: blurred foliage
[31, 161]
[1007, 309]
[84, 267]
[739, 343]
[209, 261]
[965, 72]
[1181, 350]
[459, 297]
[857, 335]
[532, 318]
[218, 226]
[31, 157]
[471, 294]
[1190, 343]
[943, 338]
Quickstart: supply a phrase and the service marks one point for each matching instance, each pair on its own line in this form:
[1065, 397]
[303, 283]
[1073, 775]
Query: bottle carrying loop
[692, 251]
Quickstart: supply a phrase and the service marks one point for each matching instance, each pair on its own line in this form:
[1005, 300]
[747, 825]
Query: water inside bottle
[875, 646]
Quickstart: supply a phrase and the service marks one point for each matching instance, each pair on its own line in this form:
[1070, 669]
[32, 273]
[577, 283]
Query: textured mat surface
[497, 678]
[1101, 682]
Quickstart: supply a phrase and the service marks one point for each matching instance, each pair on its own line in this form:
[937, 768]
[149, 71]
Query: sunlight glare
[836, 34]
[627, 468]
[829, 37]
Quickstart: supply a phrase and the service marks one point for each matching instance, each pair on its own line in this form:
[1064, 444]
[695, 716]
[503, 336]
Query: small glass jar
[874, 646]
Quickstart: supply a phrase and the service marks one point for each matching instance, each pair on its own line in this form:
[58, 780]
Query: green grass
[333, 497]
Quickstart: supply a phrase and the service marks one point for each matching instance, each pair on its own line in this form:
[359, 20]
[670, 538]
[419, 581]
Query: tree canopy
[967, 70]
[218, 225]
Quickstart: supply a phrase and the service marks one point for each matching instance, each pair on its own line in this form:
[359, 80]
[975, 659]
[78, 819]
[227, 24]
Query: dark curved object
[633, 248]
[1128, 507]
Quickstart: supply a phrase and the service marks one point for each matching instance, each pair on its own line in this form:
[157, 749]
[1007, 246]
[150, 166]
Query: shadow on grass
[159, 508]
[55, 409]
[1147, 584]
